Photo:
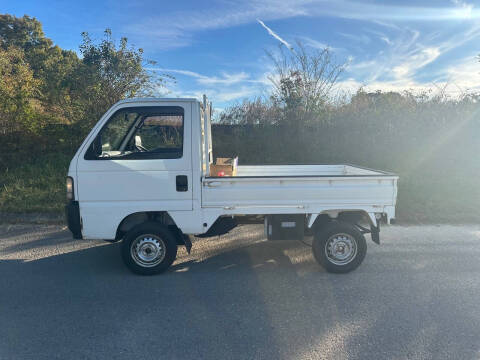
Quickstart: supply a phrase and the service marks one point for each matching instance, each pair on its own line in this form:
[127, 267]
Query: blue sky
[218, 47]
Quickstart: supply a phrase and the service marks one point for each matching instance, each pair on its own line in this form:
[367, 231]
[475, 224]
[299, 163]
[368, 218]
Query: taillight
[70, 195]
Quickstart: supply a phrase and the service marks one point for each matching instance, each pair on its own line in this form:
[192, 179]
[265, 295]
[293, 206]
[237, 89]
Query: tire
[149, 249]
[339, 247]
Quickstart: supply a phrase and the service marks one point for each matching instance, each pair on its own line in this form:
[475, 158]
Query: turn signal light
[70, 188]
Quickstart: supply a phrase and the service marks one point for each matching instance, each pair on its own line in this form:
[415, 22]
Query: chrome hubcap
[341, 249]
[148, 250]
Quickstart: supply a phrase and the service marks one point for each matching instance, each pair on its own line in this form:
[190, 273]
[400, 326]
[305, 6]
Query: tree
[73, 90]
[303, 81]
[50, 65]
[17, 88]
[108, 73]
[251, 112]
[25, 33]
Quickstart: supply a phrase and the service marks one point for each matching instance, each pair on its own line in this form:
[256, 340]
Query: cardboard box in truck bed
[224, 167]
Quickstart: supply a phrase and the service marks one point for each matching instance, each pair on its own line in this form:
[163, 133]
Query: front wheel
[149, 249]
[339, 247]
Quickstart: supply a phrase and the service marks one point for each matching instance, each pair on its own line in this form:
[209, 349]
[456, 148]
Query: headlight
[70, 188]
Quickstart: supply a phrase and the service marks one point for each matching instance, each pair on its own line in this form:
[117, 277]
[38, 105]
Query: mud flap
[72, 213]
[187, 242]
[375, 233]
[182, 239]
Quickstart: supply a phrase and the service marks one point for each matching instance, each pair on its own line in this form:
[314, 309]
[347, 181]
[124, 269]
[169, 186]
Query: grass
[37, 185]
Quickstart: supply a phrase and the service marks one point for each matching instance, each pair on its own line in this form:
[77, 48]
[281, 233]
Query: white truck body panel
[305, 192]
[110, 190]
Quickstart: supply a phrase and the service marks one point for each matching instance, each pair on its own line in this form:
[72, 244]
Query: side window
[160, 134]
[140, 133]
[113, 134]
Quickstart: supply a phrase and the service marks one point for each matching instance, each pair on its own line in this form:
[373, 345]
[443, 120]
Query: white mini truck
[145, 175]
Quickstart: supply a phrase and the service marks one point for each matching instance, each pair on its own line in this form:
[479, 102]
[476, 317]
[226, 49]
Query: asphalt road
[417, 296]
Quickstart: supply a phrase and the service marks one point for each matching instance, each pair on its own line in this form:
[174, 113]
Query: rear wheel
[339, 247]
[149, 249]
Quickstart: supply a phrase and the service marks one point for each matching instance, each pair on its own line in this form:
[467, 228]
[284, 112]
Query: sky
[219, 47]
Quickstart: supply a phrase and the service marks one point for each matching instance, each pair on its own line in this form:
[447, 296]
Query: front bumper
[72, 213]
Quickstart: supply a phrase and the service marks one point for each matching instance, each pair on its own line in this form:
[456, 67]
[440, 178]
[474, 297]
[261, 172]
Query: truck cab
[146, 175]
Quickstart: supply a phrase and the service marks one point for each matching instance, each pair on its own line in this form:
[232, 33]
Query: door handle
[182, 183]
[213, 183]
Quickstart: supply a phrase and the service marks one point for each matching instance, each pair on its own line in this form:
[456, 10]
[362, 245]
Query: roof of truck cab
[134, 100]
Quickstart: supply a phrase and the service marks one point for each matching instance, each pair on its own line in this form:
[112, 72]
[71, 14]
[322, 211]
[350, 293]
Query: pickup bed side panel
[313, 192]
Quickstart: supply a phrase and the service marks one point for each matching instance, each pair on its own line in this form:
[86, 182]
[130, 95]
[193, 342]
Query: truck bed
[301, 188]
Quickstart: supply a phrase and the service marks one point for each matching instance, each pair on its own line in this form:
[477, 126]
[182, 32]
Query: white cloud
[224, 88]
[176, 29]
[275, 35]
[382, 36]
[465, 9]
[455, 80]
[408, 57]
[217, 95]
[394, 61]
[242, 93]
[315, 44]
[386, 39]
[416, 61]
[382, 12]
[409, 53]
[226, 78]
[465, 75]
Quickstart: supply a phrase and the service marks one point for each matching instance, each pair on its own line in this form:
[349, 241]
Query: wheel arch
[353, 216]
[140, 217]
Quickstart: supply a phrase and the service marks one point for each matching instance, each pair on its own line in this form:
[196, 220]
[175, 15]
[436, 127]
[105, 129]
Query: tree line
[42, 84]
